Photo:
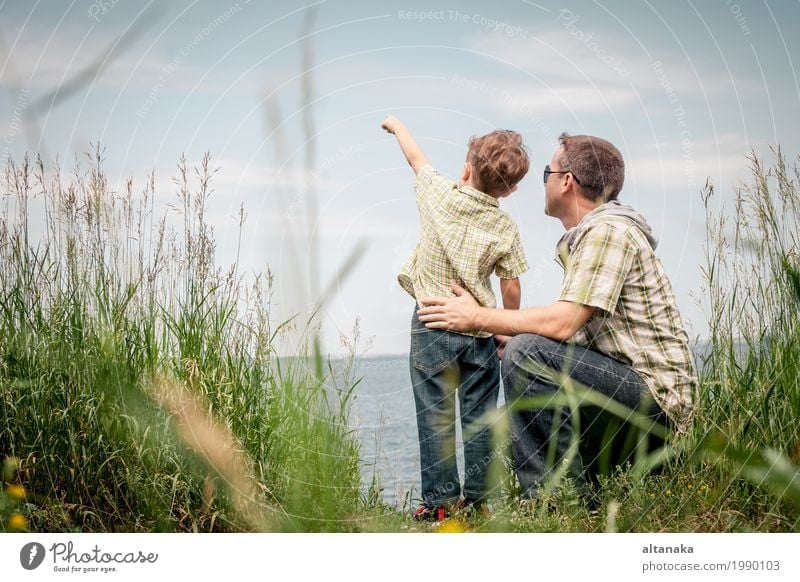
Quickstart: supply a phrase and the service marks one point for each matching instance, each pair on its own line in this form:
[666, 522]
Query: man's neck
[580, 208]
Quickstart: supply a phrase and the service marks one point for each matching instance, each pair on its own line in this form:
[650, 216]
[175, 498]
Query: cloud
[333, 224]
[69, 50]
[234, 178]
[573, 98]
[237, 174]
[530, 100]
[568, 53]
[687, 164]
[554, 54]
[274, 201]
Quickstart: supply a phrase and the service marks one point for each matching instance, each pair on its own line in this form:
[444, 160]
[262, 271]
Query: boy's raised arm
[411, 150]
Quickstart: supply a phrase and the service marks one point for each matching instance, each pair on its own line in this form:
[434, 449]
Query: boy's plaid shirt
[612, 267]
[464, 236]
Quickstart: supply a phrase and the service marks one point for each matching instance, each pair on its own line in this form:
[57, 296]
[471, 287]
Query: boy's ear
[466, 173]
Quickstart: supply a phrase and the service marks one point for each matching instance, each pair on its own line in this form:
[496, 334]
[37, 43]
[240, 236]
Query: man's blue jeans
[445, 365]
[605, 439]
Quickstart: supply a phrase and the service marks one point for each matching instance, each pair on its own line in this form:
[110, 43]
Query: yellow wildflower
[452, 526]
[17, 522]
[15, 491]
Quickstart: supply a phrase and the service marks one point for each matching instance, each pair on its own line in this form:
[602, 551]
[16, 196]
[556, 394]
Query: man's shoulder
[611, 221]
[612, 226]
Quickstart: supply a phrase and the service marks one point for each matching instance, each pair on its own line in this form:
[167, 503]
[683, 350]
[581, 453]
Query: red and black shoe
[425, 513]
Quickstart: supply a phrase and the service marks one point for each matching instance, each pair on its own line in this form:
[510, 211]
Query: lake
[383, 412]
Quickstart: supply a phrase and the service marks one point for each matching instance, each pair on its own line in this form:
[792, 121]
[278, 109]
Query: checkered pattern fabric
[613, 268]
[464, 236]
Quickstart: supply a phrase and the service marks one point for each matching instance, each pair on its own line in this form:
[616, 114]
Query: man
[615, 327]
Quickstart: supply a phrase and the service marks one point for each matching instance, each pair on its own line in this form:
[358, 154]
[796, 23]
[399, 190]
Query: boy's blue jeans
[606, 440]
[445, 365]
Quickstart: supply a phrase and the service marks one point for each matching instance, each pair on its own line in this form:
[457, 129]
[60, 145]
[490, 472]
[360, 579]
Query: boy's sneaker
[480, 508]
[425, 513]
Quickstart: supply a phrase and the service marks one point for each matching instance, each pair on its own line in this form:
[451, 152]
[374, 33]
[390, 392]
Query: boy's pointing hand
[390, 123]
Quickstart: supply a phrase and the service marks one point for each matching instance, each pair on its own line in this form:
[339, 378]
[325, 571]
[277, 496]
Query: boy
[465, 236]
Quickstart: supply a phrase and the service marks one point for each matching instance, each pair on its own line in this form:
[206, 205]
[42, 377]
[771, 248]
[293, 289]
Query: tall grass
[749, 412]
[139, 383]
[140, 387]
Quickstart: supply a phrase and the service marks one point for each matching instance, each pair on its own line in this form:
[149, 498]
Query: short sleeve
[431, 183]
[596, 269]
[512, 264]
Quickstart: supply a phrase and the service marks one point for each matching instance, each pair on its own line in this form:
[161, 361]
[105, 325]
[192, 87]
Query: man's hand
[391, 123]
[453, 314]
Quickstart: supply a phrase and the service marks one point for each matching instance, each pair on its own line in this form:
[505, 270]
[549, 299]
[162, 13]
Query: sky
[288, 98]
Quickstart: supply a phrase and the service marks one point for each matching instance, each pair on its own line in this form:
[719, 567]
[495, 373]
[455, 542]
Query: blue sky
[684, 89]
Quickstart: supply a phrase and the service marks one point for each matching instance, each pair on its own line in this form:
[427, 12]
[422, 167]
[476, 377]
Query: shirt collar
[478, 195]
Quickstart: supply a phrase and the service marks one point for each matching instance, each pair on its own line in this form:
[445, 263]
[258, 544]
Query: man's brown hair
[596, 165]
[499, 161]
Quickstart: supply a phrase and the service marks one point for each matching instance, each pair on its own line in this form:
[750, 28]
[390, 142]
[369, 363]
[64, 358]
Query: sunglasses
[548, 171]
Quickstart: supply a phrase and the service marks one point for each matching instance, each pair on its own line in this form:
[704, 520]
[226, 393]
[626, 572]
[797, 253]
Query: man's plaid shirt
[611, 265]
[464, 236]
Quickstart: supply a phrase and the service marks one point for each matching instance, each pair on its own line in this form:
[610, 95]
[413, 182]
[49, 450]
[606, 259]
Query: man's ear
[569, 179]
[567, 183]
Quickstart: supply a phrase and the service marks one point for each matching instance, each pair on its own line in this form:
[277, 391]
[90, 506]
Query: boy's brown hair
[499, 161]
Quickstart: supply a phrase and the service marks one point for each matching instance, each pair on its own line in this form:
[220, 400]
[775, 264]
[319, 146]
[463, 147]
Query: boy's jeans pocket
[430, 350]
